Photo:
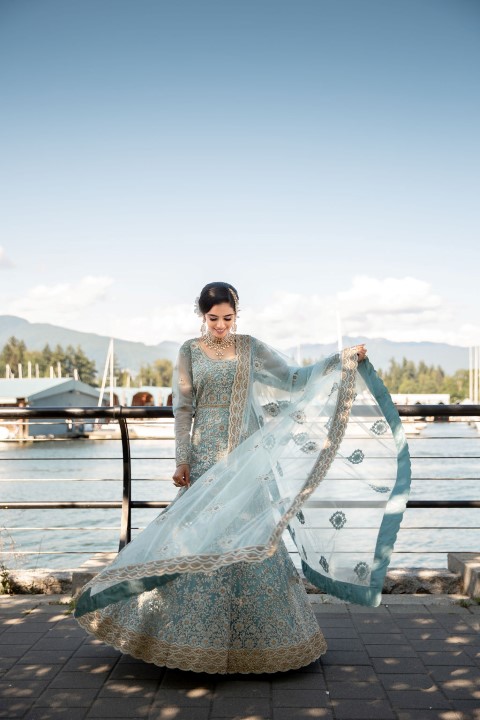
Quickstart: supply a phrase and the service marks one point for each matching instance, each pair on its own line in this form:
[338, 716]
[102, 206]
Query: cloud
[63, 303]
[388, 296]
[278, 323]
[165, 322]
[5, 261]
[399, 309]
[291, 319]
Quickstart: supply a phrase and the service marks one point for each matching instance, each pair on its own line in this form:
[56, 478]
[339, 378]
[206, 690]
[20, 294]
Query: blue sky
[322, 156]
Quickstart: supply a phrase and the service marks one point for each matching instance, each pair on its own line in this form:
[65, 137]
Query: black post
[126, 522]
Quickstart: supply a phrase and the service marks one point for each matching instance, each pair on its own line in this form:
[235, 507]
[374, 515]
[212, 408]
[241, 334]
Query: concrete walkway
[413, 658]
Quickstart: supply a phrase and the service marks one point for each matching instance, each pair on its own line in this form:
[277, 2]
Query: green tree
[457, 385]
[406, 377]
[158, 374]
[46, 359]
[13, 353]
[124, 377]
[75, 358]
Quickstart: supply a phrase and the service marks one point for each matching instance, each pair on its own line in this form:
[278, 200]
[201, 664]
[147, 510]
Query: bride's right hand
[361, 352]
[181, 476]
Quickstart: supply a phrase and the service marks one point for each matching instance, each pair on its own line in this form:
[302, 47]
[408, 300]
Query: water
[445, 460]
[76, 470]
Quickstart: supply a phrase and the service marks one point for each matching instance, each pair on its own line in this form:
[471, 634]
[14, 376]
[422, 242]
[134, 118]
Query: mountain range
[132, 355]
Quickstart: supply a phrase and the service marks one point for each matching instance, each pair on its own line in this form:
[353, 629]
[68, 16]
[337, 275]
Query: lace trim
[189, 563]
[240, 389]
[182, 452]
[209, 660]
[256, 553]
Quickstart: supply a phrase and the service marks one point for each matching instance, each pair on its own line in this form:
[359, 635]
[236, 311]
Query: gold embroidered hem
[249, 617]
[208, 660]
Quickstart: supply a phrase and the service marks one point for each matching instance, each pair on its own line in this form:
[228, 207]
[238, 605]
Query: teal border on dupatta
[88, 603]
[371, 595]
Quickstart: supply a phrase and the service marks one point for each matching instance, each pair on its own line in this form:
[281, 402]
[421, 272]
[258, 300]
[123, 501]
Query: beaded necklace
[218, 346]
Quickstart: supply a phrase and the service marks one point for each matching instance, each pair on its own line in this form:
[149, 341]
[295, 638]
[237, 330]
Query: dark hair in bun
[216, 293]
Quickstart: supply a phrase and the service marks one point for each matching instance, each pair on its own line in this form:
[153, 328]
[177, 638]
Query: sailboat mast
[470, 373]
[108, 366]
[111, 373]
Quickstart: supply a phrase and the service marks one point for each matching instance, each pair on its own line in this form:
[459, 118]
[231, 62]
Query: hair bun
[216, 293]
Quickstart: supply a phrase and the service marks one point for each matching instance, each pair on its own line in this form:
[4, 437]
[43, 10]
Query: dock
[412, 658]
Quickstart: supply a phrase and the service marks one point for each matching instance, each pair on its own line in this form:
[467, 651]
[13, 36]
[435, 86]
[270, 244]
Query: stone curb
[467, 566]
[398, 581]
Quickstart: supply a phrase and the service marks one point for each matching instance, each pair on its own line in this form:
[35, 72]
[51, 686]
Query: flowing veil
[318, 450]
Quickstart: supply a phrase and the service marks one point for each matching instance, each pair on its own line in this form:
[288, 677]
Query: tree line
[407, 377]
[15, 353]
[401, 377]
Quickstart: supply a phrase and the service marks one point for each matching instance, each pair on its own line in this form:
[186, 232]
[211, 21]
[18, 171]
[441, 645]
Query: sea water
[445, 464]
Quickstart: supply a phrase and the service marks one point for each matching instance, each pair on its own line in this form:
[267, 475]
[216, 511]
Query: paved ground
[410, 659]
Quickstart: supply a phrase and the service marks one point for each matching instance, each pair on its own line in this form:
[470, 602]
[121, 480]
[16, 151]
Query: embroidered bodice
[205, 388]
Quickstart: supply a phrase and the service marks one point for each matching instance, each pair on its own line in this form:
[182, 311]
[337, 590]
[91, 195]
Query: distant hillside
[132, 355]
[380, 351]
[129, 355]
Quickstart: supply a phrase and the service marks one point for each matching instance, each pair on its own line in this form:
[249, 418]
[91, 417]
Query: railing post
[126, 521]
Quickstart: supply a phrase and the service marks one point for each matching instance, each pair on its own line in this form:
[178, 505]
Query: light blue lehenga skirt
[246, 618]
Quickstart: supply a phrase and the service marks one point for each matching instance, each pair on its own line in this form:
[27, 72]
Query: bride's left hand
[361, 352]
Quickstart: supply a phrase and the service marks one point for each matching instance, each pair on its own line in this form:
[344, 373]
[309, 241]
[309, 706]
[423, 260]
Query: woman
[209, 585]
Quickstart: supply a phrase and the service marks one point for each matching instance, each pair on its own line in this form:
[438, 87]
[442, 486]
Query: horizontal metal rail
[115, 412]
[82, 504]
[112, 504]
[146, 412]
[438, 410]
[121, 415]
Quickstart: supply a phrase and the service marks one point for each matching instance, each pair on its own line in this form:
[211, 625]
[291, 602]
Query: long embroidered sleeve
[272, 368]
[183, 404]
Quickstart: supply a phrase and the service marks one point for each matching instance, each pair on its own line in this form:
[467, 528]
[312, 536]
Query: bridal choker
[218, 346]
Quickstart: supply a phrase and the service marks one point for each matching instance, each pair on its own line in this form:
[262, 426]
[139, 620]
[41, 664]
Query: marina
[445, 470]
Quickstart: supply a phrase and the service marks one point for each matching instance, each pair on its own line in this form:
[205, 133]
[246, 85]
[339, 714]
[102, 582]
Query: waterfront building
[144, 395]
[44, 392]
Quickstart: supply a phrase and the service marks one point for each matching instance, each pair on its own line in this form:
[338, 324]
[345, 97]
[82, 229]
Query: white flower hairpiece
[235, 300]
[196, 308]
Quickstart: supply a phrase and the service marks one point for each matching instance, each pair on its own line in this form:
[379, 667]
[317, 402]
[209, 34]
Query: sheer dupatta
[319, 450]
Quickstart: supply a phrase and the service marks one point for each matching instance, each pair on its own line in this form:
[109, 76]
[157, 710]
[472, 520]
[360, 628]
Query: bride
[261, 446]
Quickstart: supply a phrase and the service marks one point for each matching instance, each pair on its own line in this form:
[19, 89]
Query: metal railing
[121, 415]
[118, 414]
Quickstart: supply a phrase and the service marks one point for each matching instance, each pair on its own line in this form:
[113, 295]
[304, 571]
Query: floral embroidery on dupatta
[254, 553]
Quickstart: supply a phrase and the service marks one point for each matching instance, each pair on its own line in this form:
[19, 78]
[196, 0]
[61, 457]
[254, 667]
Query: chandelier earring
[203, 328]
[234, 326]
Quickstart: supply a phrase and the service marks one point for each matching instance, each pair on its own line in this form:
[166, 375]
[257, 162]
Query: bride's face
[220, 319]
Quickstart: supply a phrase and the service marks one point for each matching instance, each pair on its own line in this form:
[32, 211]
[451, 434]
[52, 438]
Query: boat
[152, 429]
[162, 429]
